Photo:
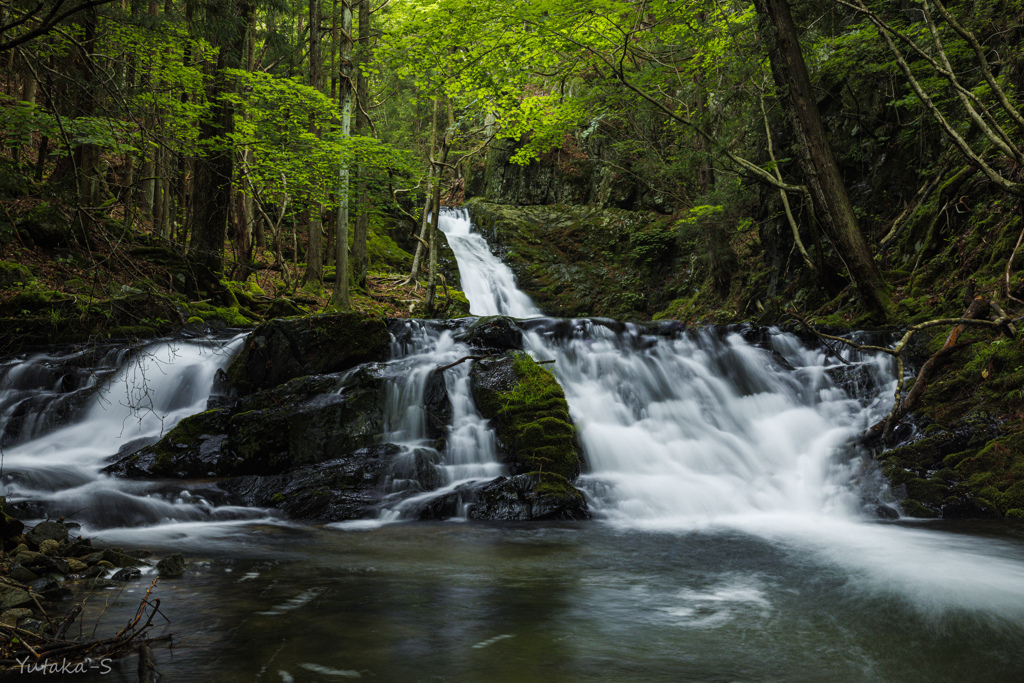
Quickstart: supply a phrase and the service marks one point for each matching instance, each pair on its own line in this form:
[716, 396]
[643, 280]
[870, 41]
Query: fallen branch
[17, 645]
[442, 368]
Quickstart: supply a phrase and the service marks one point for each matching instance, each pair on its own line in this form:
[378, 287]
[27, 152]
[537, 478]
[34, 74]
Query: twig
[442, 368]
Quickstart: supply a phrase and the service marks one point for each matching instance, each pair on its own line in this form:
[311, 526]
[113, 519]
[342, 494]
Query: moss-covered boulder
[531, 417]
[305, 421]
[192, 449]
[308, 420]
[280, 350]
[13, 275]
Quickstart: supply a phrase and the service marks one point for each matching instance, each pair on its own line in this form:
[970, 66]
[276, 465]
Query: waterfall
[129, 399]
[684, 429]
[419, 349]
[488, 283]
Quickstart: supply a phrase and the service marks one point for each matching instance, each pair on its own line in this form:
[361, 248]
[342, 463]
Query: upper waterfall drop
[488, 283]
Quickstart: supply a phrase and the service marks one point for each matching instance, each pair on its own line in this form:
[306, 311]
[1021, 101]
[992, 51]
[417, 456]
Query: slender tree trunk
[341, 277]
[314, 228]
[831, 203]
[417, 259]
[359, 256]
[438, 176]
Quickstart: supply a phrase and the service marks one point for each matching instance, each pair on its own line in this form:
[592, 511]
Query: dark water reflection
[461, 602]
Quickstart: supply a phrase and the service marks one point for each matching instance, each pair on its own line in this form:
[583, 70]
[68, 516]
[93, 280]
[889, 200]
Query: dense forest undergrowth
[851, 164]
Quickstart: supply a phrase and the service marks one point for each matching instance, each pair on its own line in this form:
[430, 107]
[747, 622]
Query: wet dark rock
[886, 512]
[119, 558]
[492, 333]
[341, 489]
[437, 405]
[193, 448]
[23, 575]
[526, 497]
[44, 531]
[172, 566]
[414, 470]
[13, 596]
[306, 420]
[127, 574]
[283, 349]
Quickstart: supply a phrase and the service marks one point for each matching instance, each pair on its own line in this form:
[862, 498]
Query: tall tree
[211, 197]
[346, 68]
[315, 252]
[832, 205]
[359, 255]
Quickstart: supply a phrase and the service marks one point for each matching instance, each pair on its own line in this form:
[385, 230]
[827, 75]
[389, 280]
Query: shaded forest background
[208, 152]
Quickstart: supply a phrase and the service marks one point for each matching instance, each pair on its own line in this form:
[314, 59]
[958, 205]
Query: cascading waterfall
[136, 397]
[419, 350]
[704, 430]
[682, 429]
[488, 283]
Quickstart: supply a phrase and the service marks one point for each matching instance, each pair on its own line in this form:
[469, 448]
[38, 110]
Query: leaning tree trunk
[832, 205]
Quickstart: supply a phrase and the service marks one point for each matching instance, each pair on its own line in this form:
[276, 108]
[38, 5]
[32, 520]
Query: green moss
[927, 491]
[551, 484]
[1015, 513]
[13, 275]
[194, 320]
[534, 420]
[913, 508]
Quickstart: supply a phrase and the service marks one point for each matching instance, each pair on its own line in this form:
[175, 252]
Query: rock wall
[577, 261]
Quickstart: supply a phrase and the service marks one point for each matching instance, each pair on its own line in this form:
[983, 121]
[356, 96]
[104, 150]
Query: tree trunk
[314, 229]
[360, 262]
[832, 205]
[341, 277]
[417, 259]
[438, 176]
[211, 198]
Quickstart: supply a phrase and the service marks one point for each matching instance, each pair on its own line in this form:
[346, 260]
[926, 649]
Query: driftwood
[29, 652]
[980, 313]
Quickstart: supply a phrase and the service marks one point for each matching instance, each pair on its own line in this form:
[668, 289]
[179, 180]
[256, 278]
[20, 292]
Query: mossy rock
[193, 448]
[280, 350]
[530, 414]
[13, 275]
[913, 508]
[305, 421]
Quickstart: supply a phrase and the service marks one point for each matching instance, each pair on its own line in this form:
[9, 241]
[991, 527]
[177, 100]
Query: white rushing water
[487, 282]
[706, 431]
[682, 431]
[147, 394]
[419, 350]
